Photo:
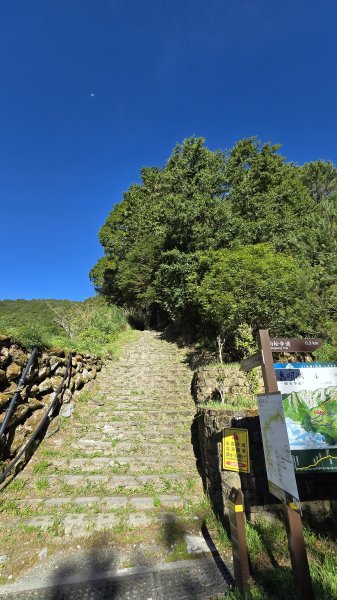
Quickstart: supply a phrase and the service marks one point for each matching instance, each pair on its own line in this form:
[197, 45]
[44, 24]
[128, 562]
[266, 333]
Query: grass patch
[41, 484]
[235, 403]
[179, 552]
[9, 507]
[17, 485]
[40, 467]
[268, 551]
[270, 562]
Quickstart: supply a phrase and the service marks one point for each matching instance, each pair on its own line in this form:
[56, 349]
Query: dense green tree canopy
[215, 239]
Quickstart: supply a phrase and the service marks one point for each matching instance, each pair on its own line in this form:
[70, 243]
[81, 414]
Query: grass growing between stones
[41, 467]
[136, 389]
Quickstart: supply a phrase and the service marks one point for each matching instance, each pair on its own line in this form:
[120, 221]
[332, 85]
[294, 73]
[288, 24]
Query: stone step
[150, 393]
[150, 380]
[128, 482]
[104, 462]
[144, 445]
[83, 524]
[160, 389]
[140, 407]
[122, 382]
[104, 433]
[150, 403]
[144, 425]
[107, 503]
[174, 415]
[153, 451]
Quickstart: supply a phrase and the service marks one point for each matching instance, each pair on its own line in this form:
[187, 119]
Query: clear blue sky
[160, 72]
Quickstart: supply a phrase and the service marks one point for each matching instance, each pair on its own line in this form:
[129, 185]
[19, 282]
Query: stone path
[116, 488]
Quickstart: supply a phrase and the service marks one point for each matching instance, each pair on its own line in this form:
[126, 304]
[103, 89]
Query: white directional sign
[279, 462]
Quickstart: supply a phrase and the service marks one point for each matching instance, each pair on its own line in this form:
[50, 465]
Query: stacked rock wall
[39, 388]
[224, 383]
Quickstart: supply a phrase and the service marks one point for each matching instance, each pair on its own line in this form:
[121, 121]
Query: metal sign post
[238, 539]
[296, 544]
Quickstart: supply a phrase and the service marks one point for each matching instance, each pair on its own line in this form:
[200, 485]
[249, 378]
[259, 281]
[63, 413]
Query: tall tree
[157, 241]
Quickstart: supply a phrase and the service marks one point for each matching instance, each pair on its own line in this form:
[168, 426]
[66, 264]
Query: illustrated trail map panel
[309, 393]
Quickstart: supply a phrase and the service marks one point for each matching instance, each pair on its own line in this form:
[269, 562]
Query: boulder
[54, 426]
[44, 360]
[56, 381]
[4, 357]
[67, 410]
[78, 381]
[92, 373]
[47, 399]
[55, 362]
[44, 372]
[18, 356]
[32, 422]
[85, 375]
[21, 411]
[24, 393]
[17, 442]
[67, 396]
[33, 373]
[8, 394]
[4, 399]
[13, 372]
[33, 390]
[45, 386]
[61, 370]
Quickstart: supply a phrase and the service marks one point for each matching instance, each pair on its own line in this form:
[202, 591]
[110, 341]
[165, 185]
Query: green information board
[309, 393]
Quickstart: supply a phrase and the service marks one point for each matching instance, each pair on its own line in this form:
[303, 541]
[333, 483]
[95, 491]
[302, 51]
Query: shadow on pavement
[86, 578]
[92, 575]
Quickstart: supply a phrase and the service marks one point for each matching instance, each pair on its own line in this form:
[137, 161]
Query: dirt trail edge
[109, 506]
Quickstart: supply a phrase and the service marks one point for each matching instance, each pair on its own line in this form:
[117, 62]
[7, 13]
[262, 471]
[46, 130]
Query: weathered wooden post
[238, 539]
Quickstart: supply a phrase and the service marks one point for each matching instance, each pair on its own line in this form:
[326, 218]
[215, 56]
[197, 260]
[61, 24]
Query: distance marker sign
[235, 450]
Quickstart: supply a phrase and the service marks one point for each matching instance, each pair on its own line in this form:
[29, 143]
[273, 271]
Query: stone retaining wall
[38, 392]
[318, 492]
[224, 383]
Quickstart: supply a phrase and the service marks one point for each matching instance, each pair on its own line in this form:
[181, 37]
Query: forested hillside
[89, 326]
[223, 243]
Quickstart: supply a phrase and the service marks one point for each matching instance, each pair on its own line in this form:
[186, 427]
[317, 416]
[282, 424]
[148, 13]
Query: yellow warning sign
[235, 450]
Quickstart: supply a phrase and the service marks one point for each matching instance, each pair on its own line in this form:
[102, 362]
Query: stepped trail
[111, 505]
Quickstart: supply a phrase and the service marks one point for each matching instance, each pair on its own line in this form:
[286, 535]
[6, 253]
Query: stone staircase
[122, 467]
